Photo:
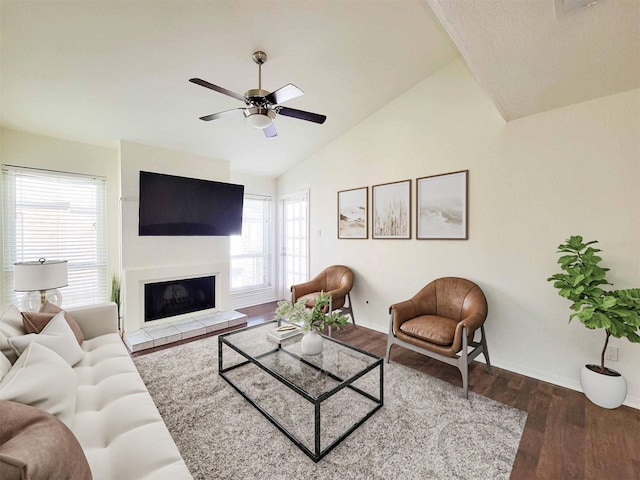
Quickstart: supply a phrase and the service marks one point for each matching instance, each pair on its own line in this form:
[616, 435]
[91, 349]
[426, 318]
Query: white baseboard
[570, 383]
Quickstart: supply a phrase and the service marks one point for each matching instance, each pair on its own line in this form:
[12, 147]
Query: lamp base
[34, 301]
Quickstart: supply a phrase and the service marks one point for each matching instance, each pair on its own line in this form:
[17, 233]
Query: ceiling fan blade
[301, 114]
[284, 94]
[270, 131]
[213, 116]
[224, 91]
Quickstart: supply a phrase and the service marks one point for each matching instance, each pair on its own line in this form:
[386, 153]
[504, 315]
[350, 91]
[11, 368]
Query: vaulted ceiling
[103, 71]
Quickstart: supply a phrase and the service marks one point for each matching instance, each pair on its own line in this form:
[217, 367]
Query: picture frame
[442, 206]
[353, 213]
[391, 210]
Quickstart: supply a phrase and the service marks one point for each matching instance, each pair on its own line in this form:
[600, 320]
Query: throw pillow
[34, 322]
[57, 336]
[5, 366]
[42, 379]
[10, 326]
[35, 445]
[49, 307]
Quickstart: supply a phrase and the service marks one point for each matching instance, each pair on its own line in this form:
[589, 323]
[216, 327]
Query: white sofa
[115, 420]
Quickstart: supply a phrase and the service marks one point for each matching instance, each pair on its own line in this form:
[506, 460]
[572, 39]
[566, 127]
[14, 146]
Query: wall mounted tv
[181, 206]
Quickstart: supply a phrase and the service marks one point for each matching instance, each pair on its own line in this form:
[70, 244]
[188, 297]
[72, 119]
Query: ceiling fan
[261, 105]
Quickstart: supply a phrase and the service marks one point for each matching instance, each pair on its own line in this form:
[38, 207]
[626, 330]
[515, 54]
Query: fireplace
[177, 297]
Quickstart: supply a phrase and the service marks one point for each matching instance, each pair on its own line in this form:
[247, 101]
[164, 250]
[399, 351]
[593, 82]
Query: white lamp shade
[40, 275]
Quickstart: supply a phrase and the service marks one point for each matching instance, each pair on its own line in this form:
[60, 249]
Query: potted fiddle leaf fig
[617, 312]
[312, 320]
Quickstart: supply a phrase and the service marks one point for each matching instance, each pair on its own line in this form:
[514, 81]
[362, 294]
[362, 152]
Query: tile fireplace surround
[173, 331]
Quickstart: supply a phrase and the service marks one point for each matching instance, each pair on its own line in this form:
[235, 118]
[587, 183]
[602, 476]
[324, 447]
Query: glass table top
[315, 375]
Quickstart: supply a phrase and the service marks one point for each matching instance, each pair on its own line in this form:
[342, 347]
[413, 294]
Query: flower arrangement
[311, 318]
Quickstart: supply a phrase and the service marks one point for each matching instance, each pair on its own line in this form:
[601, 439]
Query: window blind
[250, 252]
[57, 216]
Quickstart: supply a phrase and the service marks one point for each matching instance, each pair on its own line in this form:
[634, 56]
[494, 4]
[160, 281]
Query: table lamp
[43, 276]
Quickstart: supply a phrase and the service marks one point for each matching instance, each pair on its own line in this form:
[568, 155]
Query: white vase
[311, 343]
[607, 391]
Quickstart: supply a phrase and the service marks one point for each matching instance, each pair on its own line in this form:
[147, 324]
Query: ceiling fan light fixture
[260, 117]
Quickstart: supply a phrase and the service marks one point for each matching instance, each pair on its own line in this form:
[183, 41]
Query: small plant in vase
[116, 294]
[312, 320]
[615, 311]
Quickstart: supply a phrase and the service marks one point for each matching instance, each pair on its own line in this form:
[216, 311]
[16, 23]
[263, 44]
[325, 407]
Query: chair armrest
[305, 288]
[96, 320]
[339, 292]
[472, 323]
[401, 312]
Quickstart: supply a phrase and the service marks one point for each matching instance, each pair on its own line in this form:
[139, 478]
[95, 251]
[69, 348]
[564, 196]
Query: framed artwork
[391, 207]
[442, 206]
[353, 213]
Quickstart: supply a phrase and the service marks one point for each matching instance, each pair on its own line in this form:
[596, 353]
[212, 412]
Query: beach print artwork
[442, 206]
[352, 213]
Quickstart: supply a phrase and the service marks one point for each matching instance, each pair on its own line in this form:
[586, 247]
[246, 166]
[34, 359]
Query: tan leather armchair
[337, 281]
[440, 322]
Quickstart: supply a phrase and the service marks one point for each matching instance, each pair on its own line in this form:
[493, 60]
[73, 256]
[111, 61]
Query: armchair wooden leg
[389, 345]
[353, 319]
[485, 350]
[389, 340]
[463, 364]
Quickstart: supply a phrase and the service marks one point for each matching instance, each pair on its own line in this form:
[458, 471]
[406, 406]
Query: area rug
[425, 430]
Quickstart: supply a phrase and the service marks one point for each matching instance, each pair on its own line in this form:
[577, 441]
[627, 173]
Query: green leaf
[600, 320]
[608, 302]
[578, 279]
[575, 242]
[567, 259]
[633, 337]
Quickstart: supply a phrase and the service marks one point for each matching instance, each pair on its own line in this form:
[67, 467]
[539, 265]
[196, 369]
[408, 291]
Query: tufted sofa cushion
[116, 421]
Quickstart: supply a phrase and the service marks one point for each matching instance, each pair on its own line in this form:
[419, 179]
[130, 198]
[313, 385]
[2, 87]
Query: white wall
[157, 258]
[36, 151]
[533, 183]
[259, 186]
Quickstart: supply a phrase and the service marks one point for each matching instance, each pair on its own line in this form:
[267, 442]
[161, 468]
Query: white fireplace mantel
[135, 279]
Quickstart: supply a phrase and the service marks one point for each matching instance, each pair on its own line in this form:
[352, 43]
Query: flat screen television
[181, 206]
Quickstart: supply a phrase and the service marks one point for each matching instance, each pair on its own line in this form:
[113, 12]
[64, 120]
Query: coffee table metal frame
[318, 453]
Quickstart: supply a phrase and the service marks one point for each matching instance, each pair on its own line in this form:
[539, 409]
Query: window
[57, 216]
[250, 252]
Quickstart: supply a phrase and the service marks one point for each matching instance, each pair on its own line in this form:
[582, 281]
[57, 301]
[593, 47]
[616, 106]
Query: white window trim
[254, 295]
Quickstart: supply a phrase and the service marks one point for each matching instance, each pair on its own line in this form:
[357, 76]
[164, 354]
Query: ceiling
[530, 56]
[103, 71]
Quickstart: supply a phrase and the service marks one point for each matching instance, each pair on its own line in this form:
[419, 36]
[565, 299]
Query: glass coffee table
[316, 401]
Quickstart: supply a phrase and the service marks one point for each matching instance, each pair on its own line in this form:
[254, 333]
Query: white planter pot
[607, 391]
[311, 343]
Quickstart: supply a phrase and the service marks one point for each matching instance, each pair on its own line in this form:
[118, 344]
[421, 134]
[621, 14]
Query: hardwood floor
[565, 437]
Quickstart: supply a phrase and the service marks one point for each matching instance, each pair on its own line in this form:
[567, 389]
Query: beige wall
[36, 151]
[533, 183]
[162, 258]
